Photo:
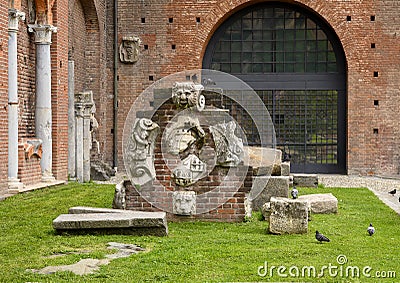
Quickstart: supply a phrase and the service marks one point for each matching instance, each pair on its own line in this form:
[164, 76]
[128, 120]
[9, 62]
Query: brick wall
[372, 131]
[3, 95]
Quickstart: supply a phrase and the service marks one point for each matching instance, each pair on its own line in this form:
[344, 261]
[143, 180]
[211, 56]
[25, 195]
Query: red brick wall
[29, 171]
[368, 153]
[3, 95]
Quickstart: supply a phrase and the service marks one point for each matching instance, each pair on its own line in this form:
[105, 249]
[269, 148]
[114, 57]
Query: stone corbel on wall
[32, 147]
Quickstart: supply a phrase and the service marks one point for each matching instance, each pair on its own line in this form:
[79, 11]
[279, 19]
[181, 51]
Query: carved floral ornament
[129, 49]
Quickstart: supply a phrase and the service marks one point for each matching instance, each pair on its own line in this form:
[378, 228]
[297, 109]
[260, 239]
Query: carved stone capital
[14, 16]
[42, 33]
[84, 103]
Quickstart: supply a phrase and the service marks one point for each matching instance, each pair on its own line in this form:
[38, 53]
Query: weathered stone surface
[266, 210]
[305, 180]
[285, 168]
[277, 186]
[184, 202]
[118, 222]
[321, 203]
[188, 95]
[288, 216]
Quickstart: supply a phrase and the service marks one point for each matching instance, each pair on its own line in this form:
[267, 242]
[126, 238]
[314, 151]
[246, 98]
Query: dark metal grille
[274, 39]
[296, 64]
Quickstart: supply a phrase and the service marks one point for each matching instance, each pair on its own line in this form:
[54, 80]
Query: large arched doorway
[293, 59]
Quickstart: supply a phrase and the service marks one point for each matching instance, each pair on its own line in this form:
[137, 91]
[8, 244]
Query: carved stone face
[184, 202]
[187, 94]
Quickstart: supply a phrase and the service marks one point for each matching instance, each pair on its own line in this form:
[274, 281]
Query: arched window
[293, 59]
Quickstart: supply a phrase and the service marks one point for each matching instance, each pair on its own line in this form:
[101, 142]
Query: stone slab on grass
[288, 216]
[321, 203]
[305, 180]
[112, 222]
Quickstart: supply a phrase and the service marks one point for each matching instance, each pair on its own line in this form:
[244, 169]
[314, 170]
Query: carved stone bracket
[139, 152]
[33, 147]
[228, 146]
[129, 49]
[188, 95]
[184, 202]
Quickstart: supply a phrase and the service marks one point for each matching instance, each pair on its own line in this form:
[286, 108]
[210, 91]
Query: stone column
[71, 120]
[83, 111]
[43, 120]
[14, 16]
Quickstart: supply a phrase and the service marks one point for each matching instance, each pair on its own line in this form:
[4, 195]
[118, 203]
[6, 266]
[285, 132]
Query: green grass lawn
[201, 251]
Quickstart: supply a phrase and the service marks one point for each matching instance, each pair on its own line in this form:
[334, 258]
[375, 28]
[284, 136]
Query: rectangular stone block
[305, 180]
[277, 186]
[321, 203]
[288, 216]
[285, 168]
[107, 221]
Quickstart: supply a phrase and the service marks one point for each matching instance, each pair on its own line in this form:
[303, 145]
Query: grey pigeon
[294, 193]
[321, 238]
[393, 192]
[371, 229]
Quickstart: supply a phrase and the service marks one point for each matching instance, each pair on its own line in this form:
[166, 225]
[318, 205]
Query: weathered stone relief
[182, 134]
[119, 196]
[33, 147]
[139, 151]
[228, 147]
[188, 95]
[189, 171]
[184, 202]
[129, 49]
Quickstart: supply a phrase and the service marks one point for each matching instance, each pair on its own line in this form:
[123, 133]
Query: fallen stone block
[288, 216]
[321, 203]
[277, 186]
[305, 180]
[105, 222]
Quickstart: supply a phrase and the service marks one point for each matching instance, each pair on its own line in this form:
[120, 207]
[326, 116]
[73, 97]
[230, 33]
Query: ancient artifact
[182, 134]
[184, 202]
[228, 147]
[119, 196]
[139, 151]
[188, 95]
[129, 49]
[189, 171]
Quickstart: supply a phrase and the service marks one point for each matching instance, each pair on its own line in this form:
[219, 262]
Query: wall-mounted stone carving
[189, 171]
[129, 49]
[188, 95]
[228, 147]
[182, 134]
[139, 152]
[184, 202]
[33, 147]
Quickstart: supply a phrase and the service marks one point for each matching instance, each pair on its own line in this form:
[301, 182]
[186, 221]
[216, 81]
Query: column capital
[42, 33]
[14, 16]
[84, 104]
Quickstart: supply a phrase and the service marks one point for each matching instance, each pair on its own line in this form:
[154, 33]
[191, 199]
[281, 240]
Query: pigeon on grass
[371, 229]
[321, 238]
[294, 193]
[392, 192]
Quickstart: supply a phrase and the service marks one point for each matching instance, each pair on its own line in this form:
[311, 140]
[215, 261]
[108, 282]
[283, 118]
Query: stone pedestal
[288, 216]
[321, 203]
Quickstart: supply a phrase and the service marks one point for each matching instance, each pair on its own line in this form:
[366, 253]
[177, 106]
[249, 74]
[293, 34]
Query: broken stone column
[83, 111]
[288, 216]
[14, 16]
[43, 120]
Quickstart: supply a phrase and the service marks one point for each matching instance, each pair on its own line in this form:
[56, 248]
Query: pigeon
[294, 193]
[321, 238]
[393, 192]
[371, 229]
